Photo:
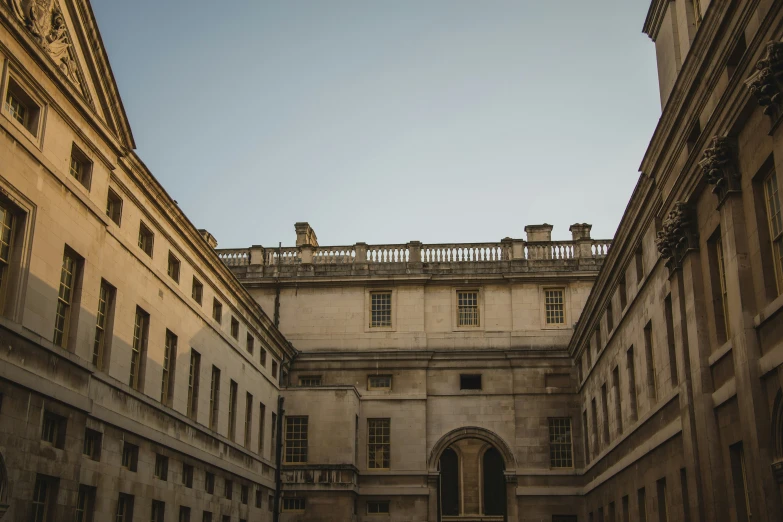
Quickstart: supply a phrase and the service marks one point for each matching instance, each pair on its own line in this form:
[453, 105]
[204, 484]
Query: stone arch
[472, 432]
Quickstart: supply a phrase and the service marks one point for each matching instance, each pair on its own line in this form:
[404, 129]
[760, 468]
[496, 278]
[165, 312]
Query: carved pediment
[45, 21]
[766, 83]
[677, 235]
[719, 165]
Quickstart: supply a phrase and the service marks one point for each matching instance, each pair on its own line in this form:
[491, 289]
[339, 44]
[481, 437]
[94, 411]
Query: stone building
[145, 375]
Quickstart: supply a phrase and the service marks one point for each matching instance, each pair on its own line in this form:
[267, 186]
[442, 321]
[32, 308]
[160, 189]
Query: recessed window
[214, 398]
[380, 309]
[274, 369]
[80, 167]
[173, 267]
[194, 379]
[232, 409]
[294, 504]
[217, 311]
[775, 225]
[467, 308]
[209, 483]
[554, 303]
[53, 429]
[234, 328]
[139, 348]
[146, 239]
[379, 382]
[271, 503]
[248, 419]
[92, 444]
[378, 443]
[130, 456]
[114, 207]
[244, 494]
[296, 439]
[560, 445]
[21, 107]
[85, 503]
[470, 382]
[206, 516]
[197, 293]
[250, 344]
[161, 467]
[158, 511]
[69, 278]
[187, 475]
[310, 380]
[184, 514]
[228, 489]
[106, 295]
[8, 262]
[259, 497]
[124, 508]
[263, 357]
[377, 507]
[169, 363]
[44, 497]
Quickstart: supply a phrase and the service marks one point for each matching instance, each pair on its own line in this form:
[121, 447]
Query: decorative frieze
[766, 83]
[677, 236]
[45, 21]
[719, 165]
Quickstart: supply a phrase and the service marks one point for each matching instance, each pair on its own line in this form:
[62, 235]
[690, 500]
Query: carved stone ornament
[45, 21]
[766, 83]
[677, 235]
[720, 166]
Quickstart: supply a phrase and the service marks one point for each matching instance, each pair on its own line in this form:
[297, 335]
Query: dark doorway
[449, 482]
[494, 483]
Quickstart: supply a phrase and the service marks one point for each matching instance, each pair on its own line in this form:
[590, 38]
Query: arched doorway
[494, 482]
[449, 483]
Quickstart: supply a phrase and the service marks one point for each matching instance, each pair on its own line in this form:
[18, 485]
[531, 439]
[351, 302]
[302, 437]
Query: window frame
[463, 380]
[457, 316]
[168, 368]
[564, 449]
[371, 386]
[379, 439]
[114, 206]
[295, 446]
[194, 382]
[544, 290]
[146, 240]
[130, 456]
[84, 164]
[24, 93]
[379, 509]
[161, 469]
[92, 444]
[310, 380]
[140, 341]
[67, 311]
[197, 291]
[173, 267]
[104, 325]
[217, 310]
[292, 505]
[769, 183]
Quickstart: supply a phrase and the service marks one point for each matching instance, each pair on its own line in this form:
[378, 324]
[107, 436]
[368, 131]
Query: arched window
[494, 483]
[449, 482]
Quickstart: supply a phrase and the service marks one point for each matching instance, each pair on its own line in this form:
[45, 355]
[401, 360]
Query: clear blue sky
[387, 121]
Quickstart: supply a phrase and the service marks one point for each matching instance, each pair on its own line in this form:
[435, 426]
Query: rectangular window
[618, 410]
[85, 504]
[105, 314]
[554, 303]
[187, 475]
[310, 380]
[686, 509]
[139, 349]
[80, 167]
[244, 493]
[641, 498]
[273, 435]
[250, 344]
[66, 297]
[194, 378]
[21, 107]
[639, 263]
[775, 225]
[623, 291]
[379, 382]
[594, 414]
[377, 507]
[169, 364]
[263, 357]
[259, 497]
[130, 456]
[723, 297]
[184, 514]
[7, 225]
[53, 429]
[146, 239]
[92, 444]
[158, 511]
[669, 313]
[248, 419]
[296, 439]
[44, 495]
[378, 443]
[560, 444]
[274, 369]
[470, 381]
[173, 267]
[605, 413]
[161, 467]
[467, 308]
[663, 506]
[270, 503]
[739, 478]
[294, 504]
[214, 398]
[380, 309]
[652, 389]
[626, 509]
[232, 410]
[114, 207]
[206, 516]
[124, 508]
[234, 328]
[261, 419]
[209, 483]
[217, 311]
[609, 319]
[228, 489]
[631, 368]
[197, 292]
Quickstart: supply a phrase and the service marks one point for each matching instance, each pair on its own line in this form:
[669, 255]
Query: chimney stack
[305, 235]
[536, 233]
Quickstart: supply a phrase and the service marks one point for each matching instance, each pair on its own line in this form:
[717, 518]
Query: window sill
[769, 311]
[721, 352]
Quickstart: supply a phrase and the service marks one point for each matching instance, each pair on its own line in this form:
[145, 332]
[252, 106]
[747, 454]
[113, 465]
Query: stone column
[511, 496]
[432, 503]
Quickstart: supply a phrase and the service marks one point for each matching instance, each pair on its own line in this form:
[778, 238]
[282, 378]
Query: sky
[387, 121]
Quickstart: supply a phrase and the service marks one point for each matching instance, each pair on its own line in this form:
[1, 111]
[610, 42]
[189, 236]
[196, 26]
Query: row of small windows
[467, 381]
[298, 505]
[468, 311]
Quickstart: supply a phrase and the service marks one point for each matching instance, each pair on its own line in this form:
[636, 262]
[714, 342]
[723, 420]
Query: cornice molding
[654, 20]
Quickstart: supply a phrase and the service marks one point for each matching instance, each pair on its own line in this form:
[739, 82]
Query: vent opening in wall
[470, 381]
